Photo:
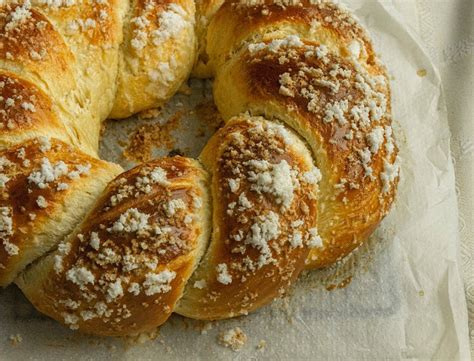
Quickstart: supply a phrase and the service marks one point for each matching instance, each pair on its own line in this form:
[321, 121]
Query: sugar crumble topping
[18, 16]
[265, 229]
[269, 192]
[158, 282]
[200, 284]
[131, 221]
[80, 276]
[311, 74]
[119, 258]
[143, 185]
[315, 240]
[151, 35]
[51, 173]
[42, 202]
[6, 231]
[114, 290]
[276, 179]
[223, 275]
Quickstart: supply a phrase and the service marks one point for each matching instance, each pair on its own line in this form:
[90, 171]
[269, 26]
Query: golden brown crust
[125, 267]
[342, 109]
[93, 22]
[205, 10]
[157, 54]
[264, 214]
[32, 42]
[25, 112]
[69, 51]
[92, 31]
[238, 23]
[46, 187]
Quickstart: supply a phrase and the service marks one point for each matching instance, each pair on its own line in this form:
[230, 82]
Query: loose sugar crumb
[206, 327]
[15, 340]
[262, 345]
[421, 73]
[234, 338]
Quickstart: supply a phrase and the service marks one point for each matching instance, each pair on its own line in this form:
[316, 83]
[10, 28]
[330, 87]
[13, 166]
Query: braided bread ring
[113, 253]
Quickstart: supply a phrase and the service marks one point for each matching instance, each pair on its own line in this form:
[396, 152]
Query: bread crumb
[421, 73]
[150, 136]
[208, 114]
[234, 338]
[262, 344]
[149, 113]
[15, 339]
[207, 327]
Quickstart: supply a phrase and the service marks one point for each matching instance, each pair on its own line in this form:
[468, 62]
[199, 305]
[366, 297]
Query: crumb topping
[223, 275]
[169, 24]
[6, 231]
[266, 207]
[260, 162]
[34, 178]
[158, 283]
[123, 254]
[349, 104]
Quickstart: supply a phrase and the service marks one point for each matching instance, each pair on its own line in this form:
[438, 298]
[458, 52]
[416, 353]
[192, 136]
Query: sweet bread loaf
[304, 169]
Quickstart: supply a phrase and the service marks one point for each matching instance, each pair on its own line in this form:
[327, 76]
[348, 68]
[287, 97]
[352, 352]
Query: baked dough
[264, 191]
[304, 169]
[124, 268]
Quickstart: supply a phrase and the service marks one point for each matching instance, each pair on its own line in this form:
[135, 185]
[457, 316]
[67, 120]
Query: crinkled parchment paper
[400, 296]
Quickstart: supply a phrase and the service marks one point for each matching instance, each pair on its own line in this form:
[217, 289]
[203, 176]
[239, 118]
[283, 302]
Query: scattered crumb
[206, 327]
[15, 339]
[234, 338]
[149, 136]
[342, 284]
[185, 89]
[262, 344]
[150, 113]
[141, 338]
[421, 72]
[208, 114]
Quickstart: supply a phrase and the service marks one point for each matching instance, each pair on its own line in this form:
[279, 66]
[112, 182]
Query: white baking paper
[405, 299]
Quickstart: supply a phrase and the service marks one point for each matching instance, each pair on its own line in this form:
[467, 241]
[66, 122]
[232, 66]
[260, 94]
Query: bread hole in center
[182, 126]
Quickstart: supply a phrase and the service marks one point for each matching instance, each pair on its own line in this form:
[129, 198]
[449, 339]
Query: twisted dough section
[264, 191]
[313, 68]
[124, 268]
[47, 188]
[303, 171]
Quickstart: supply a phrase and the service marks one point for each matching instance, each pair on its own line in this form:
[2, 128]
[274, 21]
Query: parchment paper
[399, 297]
